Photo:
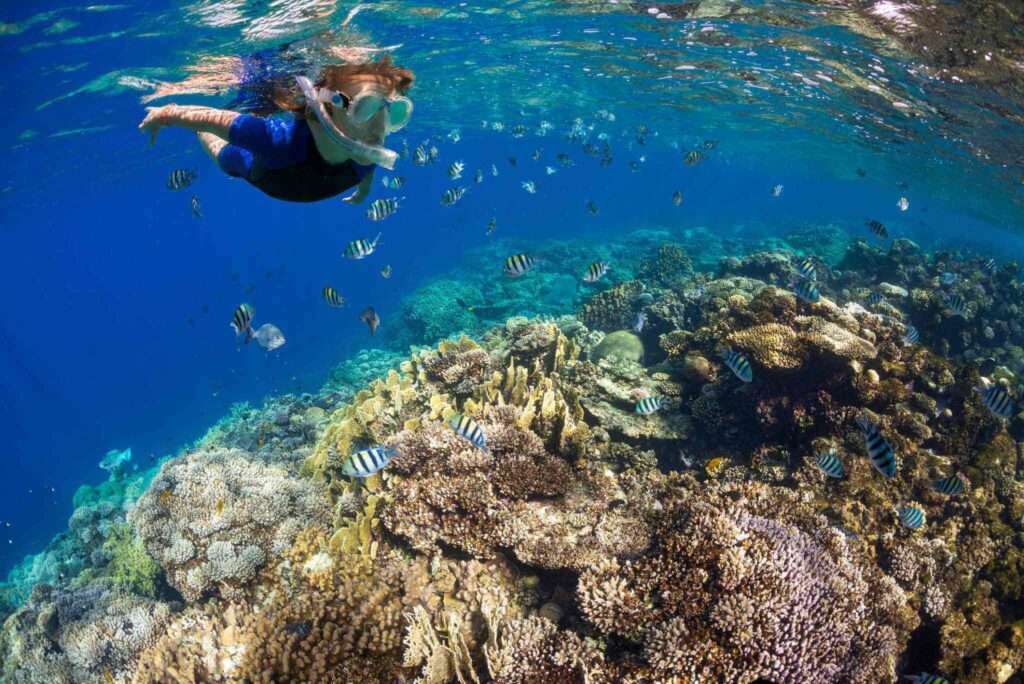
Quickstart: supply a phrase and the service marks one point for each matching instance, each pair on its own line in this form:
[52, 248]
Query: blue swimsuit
[279, 156]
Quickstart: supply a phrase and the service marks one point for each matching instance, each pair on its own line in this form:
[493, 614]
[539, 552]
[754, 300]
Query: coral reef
[731, 595]
[130, 567]
[211, 519]
[585, 542]
[89, 633]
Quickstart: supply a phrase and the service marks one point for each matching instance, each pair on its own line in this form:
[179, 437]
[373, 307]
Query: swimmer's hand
[156, 118]
[356, 197]
[362, 190]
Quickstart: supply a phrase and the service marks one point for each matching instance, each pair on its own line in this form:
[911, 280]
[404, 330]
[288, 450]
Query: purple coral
[731, 596]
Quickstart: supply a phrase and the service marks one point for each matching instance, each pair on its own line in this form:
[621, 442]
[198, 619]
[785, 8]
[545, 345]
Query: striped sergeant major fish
[360, 249]
[880, 452]
[596, 271]
[807, 269]
[693, 157]
[455, 169]
[989, 266]
[381, 208]
[241, 321]
[903, 203]
[911, 517]
[518, 264]
[677, 198]
[926, 678]
[197, 209]
[875, 298]
[911, 336]
[807, 291]
[997, 400]
[649, 405]
[479, 177]
[777, 191]
[530, 187]
[451, 196]
[181, 179]
[332, 297]
[469, 429]
[878, 228]
[393, 183]
[950, 486]
[367, 462]
[828, 462]
[957, 306]
[738, 364]
[420, 157]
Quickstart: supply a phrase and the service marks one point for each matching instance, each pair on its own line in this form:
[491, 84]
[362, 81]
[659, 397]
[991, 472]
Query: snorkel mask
[364, 107]
[378, 154]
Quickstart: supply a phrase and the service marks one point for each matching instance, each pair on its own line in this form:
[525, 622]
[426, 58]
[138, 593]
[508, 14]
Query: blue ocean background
[116, 300]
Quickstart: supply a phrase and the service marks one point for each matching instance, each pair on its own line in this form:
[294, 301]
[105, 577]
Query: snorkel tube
[381, 156]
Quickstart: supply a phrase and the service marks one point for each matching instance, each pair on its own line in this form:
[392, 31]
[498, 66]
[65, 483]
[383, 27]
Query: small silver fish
[677, 197]
[269, 336]
[455, 135]
[197, 210]
[479, 177]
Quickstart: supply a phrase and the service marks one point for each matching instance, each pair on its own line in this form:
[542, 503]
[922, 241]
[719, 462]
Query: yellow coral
[772, 345]
[713, 467]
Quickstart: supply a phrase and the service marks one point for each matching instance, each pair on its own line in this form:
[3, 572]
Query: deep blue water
[114, 326]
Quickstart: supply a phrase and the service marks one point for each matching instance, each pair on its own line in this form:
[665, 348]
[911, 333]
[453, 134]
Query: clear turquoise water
[116, 300]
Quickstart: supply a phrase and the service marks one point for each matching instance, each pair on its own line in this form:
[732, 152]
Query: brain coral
[212, 519]
[731, 595]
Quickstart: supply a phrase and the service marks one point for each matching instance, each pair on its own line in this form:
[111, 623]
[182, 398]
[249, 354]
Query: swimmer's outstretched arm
[192, 117]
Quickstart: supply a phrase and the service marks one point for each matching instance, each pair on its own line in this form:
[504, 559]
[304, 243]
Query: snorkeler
[332, 140]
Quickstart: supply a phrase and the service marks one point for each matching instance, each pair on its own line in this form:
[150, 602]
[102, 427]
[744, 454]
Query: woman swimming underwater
[331, 140]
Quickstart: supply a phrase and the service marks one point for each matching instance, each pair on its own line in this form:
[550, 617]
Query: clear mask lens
[399, 110]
